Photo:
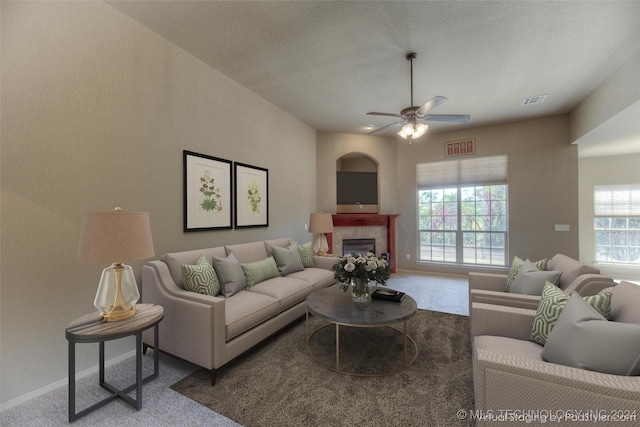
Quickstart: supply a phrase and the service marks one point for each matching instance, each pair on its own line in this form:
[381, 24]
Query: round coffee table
[337, 307]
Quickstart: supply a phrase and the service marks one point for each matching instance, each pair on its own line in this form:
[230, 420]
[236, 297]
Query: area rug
[279, 384]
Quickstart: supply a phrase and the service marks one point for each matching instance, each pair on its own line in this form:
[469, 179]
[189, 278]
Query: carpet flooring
[278, 383]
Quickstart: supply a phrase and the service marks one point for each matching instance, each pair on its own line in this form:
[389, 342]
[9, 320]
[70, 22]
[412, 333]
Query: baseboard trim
[62, 382]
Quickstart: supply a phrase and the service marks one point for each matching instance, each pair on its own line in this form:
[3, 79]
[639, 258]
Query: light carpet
[278, 383]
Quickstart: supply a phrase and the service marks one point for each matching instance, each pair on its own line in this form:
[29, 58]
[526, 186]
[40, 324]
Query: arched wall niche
[367, 166]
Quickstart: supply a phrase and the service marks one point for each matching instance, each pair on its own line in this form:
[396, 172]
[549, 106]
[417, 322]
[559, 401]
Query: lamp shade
[321, 222]
[109, 237]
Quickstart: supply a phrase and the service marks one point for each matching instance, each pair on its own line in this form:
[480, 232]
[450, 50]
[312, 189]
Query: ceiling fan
[412, 128]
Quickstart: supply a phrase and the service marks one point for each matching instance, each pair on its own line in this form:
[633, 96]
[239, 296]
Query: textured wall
[96, 110]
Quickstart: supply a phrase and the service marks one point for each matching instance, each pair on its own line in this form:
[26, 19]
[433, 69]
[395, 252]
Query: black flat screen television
[357, 188]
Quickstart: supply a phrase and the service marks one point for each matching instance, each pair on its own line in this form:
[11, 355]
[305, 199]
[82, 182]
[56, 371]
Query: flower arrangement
[361, 266]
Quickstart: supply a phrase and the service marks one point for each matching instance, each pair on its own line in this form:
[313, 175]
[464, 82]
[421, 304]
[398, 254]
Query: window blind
[617, 200]
[480, 170]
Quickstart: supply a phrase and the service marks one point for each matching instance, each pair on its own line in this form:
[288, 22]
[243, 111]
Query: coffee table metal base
[406, 338]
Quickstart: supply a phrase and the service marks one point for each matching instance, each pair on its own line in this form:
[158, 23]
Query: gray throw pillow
[583, 338]
[230, 274]
[515, 267]
[288, 259]
[530, 280]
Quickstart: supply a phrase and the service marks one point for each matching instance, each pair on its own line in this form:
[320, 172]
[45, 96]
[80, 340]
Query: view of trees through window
[464, 225]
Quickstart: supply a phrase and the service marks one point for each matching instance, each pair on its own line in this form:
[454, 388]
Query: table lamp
[115, 237]
[321, 223]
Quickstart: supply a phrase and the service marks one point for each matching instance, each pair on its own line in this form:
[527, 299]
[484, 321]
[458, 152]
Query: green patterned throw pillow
[200, 278]
[515, 267]
[259, 271]
[306, 254]
[551, 305]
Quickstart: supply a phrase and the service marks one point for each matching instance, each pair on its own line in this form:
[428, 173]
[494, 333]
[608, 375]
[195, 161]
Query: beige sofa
[210, 331]
[512, 379]
[576, 277]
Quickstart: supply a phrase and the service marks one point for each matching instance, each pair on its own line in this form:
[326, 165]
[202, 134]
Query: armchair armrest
[530, 302]
[589, 284]
[499, 320]
[325, 262]
[487, 281]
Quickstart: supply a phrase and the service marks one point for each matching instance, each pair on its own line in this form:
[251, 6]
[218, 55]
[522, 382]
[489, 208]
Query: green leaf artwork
[211, 194]
[253, 194]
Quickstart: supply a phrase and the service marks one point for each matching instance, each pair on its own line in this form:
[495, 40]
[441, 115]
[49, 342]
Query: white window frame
[453, 176]
[616, 224]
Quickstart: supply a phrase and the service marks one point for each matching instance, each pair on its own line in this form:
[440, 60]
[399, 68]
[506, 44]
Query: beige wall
[604, 171]
[331, 146]
[96, 110]
[543, 176]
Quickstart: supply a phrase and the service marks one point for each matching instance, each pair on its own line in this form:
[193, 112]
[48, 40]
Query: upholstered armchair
[510, 374]
[576, 277]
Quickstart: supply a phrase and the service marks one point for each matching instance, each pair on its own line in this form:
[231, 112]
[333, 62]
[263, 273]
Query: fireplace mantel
[370, 220]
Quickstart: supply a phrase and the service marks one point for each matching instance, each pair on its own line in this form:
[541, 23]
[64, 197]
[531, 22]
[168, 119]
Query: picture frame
[208, 199]
[460, 148]
[251, 196]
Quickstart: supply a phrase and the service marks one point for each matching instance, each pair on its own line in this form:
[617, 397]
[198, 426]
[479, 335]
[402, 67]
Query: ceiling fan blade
[375, 113]
[387, 126]
[431, 104]
[458, 118]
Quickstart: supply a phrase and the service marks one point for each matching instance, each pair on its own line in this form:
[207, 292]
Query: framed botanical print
[208, 203]
[251, 196]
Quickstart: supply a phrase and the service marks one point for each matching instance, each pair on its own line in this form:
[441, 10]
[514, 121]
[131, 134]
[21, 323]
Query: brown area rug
[279, 384]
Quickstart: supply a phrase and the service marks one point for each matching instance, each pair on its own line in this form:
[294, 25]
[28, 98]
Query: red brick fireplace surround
[369, 220]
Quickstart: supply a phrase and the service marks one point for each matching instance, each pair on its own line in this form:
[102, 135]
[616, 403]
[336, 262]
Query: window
[462, 211]
[617, 223]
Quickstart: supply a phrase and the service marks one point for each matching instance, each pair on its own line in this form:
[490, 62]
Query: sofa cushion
[200, 278]
[230, 274]
[509, 347]
[570, 268]
[530, 280]
[551, 304]
[319, 277]
[306, 254]
[583, 338]
[259, 271]
[515, 267]
[176, 260]
[288, 259]
[247, 309]
[248, 252]
[287, 290]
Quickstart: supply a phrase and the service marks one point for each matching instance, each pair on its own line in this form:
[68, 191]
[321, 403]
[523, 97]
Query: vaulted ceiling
[328, 63]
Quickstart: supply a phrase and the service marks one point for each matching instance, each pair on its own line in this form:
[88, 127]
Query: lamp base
[118, 314]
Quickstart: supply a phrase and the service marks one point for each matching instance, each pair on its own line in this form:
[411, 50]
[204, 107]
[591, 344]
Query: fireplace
[358, 246]
[379, 227]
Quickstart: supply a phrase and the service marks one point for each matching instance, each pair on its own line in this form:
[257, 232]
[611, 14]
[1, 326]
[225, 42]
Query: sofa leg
[213, 375]
[145, 347]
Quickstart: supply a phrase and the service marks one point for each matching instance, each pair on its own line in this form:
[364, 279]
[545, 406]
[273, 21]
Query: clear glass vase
[360, 290]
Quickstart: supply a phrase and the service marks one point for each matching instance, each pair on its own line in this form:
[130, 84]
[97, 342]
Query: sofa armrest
[193, 327]
[325, 262]
[589, 284]
[487, 281]
[499, 320]
[530, 302]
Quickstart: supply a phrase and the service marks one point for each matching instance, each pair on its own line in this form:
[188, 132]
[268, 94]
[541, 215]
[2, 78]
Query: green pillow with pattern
[306, 254]
[259, 271]
[515, 267]
[200, 278]
[551, 305]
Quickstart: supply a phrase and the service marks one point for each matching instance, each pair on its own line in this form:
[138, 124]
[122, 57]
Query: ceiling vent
[534, 99]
